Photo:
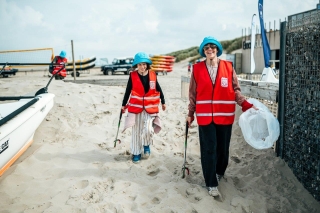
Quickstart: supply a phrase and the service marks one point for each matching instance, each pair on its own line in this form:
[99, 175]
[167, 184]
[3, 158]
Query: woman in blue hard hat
[142, 98]
[213, 92]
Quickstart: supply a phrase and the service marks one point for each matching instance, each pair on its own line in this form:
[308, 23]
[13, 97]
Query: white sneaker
[213, 191]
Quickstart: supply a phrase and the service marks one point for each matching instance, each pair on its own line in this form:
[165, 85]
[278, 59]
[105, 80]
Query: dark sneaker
[146, 151]
[136, 158]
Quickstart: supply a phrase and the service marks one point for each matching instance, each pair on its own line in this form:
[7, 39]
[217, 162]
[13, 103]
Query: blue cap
[63, 54]
[210, 40]
[141, 57]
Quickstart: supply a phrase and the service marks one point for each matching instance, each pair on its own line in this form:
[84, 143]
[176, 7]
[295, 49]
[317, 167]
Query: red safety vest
[140, 100]
[63, 72]
[214, 102]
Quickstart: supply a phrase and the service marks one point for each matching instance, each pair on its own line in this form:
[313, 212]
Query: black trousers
[214, 149]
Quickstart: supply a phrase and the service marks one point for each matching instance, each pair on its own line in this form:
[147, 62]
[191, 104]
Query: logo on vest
[152, 84]
[224, 82]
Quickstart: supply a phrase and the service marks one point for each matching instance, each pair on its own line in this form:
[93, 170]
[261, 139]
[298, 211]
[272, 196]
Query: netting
[43, 55]
[253, 77]
[272, 106]
[301, 128]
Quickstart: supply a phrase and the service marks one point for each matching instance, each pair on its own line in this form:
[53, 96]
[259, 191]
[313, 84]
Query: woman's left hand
[163, 107]
[254, 107]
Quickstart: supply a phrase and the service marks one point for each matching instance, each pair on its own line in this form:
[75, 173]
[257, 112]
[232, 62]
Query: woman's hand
[255, 107]
[163, 107]
[190, 120]
[123, 109]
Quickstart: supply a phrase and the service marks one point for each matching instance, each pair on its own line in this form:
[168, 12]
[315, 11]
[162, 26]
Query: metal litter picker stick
[184, 168]
[118, 140]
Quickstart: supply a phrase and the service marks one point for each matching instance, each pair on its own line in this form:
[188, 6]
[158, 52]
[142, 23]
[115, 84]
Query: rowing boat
[20, 117]
[19, 121]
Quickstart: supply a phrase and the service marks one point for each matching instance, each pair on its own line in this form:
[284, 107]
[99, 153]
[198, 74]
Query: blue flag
[265, 43]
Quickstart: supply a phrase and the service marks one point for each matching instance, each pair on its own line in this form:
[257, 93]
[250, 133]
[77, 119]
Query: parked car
[7, 70]
[118, 65]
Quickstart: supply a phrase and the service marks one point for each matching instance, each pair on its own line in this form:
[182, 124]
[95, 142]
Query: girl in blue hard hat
[213, 92]
[142, 98]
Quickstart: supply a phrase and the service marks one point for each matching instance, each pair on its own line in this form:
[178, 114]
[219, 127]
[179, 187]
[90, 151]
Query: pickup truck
[118, 65]
[7, 70]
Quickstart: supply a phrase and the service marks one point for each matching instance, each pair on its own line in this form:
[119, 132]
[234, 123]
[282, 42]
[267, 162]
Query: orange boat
[161, 66]
[170, 60]
[162, 63]
[161, 70]
[163, 56]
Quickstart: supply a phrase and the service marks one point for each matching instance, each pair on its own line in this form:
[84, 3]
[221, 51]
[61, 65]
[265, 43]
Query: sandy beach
[72, 165]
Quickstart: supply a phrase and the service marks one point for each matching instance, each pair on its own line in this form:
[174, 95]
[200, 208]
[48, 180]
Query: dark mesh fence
[301, 129]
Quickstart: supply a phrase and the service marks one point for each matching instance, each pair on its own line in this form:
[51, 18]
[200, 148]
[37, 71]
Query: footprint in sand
[156, 200]
[153, 172]
[192, 191]
[122, 158]
[235, 159]
[82, 184]
[91, 197]
[239, 184]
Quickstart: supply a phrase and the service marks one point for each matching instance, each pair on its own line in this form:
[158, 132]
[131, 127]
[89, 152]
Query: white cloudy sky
[113, 28]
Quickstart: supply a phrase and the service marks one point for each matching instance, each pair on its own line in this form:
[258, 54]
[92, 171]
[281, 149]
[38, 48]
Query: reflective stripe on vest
[215, 114]
[139, 100]
[214, 102]
[146, 98]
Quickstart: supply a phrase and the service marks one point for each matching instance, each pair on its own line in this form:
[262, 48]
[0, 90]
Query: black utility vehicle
[118, 65]
[7, 70]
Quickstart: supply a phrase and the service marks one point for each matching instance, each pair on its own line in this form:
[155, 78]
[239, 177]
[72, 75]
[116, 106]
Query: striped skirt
[142, 132]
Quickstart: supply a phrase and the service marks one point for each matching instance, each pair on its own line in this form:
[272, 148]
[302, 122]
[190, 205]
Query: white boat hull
[16, 135]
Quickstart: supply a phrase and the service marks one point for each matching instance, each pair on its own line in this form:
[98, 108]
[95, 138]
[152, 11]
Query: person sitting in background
[60, 59]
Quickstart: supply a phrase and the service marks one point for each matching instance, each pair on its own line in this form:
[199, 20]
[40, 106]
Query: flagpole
[252, 67]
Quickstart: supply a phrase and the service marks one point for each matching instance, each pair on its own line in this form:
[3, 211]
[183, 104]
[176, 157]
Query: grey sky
[105, 28]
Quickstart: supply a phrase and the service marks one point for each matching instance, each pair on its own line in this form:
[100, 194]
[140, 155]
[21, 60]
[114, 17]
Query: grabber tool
[184, 168]
[118, 140]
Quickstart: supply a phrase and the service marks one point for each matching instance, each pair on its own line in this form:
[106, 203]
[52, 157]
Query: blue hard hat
[141, 57]
[63, 54]
[210, 40]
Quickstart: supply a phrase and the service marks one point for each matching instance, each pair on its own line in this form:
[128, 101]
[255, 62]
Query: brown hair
[148, 66]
